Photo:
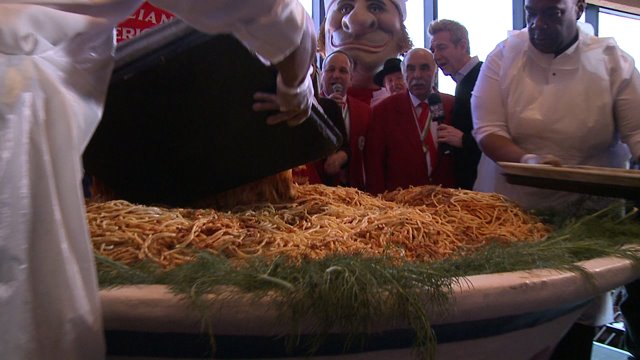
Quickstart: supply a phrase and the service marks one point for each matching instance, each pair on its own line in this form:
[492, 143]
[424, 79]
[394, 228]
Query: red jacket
[393, 154]
[359, 119]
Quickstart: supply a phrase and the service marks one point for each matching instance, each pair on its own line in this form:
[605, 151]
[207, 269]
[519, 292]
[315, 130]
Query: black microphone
[437, 114]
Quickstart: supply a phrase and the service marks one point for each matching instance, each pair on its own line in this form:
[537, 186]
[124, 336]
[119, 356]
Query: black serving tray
[178, 123]
[592, 180]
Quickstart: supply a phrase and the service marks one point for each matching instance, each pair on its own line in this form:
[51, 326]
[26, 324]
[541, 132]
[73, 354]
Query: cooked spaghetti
[420, 223]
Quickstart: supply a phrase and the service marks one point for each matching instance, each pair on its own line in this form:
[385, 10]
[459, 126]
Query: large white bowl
[515, 315]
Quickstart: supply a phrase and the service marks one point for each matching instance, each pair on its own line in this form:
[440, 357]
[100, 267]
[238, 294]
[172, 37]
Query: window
[484, 34]
[308, 5]
[415, 22]
[622, 27]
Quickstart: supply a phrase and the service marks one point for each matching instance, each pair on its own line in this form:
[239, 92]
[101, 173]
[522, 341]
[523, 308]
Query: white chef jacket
[576, 106]
[55, 64]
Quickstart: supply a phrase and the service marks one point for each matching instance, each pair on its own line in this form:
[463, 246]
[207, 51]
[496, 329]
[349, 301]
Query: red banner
[145, 17]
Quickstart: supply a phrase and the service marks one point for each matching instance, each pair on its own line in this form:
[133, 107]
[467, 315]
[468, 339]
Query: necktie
[347, 120]
[422, 119]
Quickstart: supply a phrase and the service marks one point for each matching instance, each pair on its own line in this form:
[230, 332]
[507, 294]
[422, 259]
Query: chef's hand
[293, 104]
[335, 162]
[450, 135]
[540, 159]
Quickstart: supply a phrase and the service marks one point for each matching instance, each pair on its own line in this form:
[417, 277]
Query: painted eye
[376, 8]
[345, 8]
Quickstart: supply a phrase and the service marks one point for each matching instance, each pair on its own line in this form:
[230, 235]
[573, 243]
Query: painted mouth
[360, 46]
[372, 42]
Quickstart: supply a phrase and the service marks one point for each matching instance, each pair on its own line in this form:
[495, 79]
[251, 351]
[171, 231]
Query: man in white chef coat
[554, 94]
[55, 64]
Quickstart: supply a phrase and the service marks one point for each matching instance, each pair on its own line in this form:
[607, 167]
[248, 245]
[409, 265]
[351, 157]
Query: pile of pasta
[420, 223]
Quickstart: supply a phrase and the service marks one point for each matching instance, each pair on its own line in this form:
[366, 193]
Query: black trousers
[630, 308]
[576, 343]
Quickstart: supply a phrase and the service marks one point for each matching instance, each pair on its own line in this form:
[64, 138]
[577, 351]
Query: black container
[178, 124]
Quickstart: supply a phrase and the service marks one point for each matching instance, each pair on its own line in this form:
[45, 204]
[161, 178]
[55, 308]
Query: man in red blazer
[337, 70]
[401, 146]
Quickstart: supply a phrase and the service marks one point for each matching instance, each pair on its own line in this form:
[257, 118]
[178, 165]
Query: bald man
[574, 100]
[401, 146]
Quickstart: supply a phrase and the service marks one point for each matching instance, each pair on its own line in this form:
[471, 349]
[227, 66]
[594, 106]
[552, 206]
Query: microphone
[338, 88]
[437, 114]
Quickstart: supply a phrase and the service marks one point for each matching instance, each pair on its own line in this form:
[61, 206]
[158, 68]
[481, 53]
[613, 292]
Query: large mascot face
[370, 31]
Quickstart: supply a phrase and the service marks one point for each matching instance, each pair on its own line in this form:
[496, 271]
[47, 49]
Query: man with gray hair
[450, 47]
[401, 148]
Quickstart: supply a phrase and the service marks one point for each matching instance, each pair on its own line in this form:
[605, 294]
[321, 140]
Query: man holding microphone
[335, 80]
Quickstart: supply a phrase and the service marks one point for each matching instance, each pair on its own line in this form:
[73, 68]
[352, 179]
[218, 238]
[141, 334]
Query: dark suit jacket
[359, 119]
[353, 145]
[466, 158]
[334, 113]
[393, 152]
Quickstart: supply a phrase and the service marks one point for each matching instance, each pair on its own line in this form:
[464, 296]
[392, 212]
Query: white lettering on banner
[151, 17]
[124, 33]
